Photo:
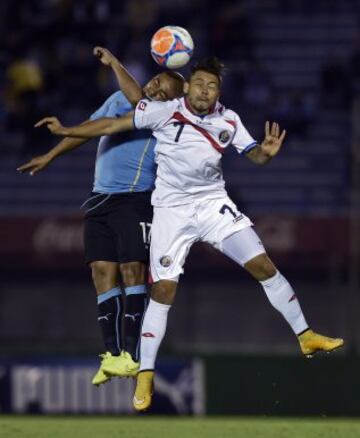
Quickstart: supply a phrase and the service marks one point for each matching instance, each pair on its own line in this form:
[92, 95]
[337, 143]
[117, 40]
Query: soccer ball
[172, 46]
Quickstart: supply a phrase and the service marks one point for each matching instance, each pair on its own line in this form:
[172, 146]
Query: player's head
[203, 87]
[165, 86]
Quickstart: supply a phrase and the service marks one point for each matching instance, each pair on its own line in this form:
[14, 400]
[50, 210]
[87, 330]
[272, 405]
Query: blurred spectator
[24, 75]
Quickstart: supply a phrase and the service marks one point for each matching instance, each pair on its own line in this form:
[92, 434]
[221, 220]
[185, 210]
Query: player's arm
[40, 162]
[93, 128]
[271, 145]
[127, 83]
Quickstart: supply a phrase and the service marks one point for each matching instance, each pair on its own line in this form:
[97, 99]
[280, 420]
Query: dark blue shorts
[117, 227]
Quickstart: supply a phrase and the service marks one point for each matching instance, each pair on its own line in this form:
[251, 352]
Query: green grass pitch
[175, 427]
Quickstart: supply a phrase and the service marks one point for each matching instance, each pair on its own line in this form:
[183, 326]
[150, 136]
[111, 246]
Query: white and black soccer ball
[172, 47]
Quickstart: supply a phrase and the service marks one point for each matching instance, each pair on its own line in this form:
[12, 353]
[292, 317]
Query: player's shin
[136, 300]
[282, 296]
[109, 318]
[152, 333]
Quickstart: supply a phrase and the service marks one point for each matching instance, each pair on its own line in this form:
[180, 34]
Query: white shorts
[175, 229]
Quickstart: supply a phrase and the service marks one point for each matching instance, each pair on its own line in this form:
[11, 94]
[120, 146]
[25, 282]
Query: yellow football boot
[311, 343]
[101, 377]
[144, 390]
[121, 366]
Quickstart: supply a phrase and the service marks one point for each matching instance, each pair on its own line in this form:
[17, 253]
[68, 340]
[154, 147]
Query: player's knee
[268, 268]
[164, 291]
[261, 267]
[133, 273]
[103, 275]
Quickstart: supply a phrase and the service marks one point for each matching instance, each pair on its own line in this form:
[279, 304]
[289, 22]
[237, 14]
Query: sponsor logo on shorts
[237, 219]
[142, 105]
[165, 261]
[224, 136]
[148, 335]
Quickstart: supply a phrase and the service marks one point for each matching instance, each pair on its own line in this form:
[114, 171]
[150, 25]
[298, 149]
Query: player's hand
[53, 124]
[104, 55]
[35, 164]
[273, 139]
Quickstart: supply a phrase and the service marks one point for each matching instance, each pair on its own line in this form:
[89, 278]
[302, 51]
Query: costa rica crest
[224, 136]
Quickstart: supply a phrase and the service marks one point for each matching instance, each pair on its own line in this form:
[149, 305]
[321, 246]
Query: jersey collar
[216, 107]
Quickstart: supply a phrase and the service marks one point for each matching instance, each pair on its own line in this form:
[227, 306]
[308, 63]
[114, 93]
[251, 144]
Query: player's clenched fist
[53, 124]
[104, 55]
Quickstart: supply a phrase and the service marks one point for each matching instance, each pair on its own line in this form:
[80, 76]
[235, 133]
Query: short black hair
[178, 79]
[211, 64]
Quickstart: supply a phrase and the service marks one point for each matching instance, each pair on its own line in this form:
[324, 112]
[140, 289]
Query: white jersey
[189, 149]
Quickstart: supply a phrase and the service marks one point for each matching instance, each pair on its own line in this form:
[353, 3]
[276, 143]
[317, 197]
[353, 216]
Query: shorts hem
[119, 261]
[253, 255]
[175, 279]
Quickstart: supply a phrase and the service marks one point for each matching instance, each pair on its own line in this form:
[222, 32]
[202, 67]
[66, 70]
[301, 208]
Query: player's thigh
[173, 232]
[243, 246]
[220, 218]
[130, 222]
[99, 241]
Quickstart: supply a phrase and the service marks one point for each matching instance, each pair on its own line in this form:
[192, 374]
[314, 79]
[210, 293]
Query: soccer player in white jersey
[191, 204]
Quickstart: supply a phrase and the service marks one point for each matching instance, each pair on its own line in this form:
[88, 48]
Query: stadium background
[296, 62]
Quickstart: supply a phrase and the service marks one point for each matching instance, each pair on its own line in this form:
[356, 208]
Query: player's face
[203, 90]
[161, 87]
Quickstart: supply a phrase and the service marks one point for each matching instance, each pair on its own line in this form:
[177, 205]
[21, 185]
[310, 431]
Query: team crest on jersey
[142, 105]
[224, 136]
[165, 261]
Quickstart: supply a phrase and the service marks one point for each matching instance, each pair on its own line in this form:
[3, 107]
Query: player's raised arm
[93, 128]
[257, 153]
[127, 83]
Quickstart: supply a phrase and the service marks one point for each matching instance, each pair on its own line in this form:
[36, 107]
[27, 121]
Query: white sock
[152, 333]
[282, 296]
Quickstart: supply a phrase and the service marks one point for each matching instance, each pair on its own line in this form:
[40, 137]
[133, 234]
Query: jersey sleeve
[115, 106]
[242, 140]
[152, 114]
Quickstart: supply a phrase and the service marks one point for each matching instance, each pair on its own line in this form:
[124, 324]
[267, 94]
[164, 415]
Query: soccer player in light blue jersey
[118, 216]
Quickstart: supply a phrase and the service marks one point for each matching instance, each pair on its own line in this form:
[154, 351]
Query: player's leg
[246, 249]
[130, 222]
[105, 278]
[134, 278]
[100, 255]
[172, 236]
[153, 331]
[155, 321]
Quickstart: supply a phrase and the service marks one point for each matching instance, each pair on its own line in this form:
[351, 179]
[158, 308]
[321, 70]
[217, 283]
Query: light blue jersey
[124, 162]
